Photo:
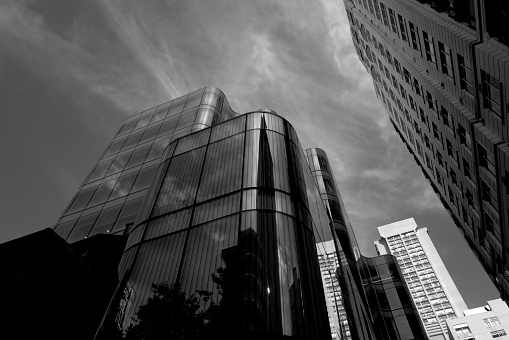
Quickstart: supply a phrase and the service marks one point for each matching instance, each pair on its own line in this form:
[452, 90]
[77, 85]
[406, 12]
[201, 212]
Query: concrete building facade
[432, 288]
[441, 70]
[482, 323]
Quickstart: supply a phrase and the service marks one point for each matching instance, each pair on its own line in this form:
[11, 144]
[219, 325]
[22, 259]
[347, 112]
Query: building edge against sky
[432, 288]
[441, 70]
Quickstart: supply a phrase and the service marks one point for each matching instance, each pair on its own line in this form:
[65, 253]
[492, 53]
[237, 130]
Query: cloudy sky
[71, 71]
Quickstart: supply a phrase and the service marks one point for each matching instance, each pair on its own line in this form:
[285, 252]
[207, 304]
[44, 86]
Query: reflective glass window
[177, 106]
[144, 178]
[193, 101]
[81, 200]
[145, 118]
[168, 126]
[191, 142]
[150, 132]
[223, 168]
[119, 162]
[63, 229]
[102, 193]
[82, 228]
[228, 128]
[187, 119]
[128, 214]
[100, 170]
[157, 149]
[123, 185]
[106, 220]
[133, 139]
[115, 146]
[129, 124]
[161, 112]
[211, 99]
[138, 156]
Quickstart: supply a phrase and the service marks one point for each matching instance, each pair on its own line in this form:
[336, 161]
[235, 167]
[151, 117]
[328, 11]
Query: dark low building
[48, 291]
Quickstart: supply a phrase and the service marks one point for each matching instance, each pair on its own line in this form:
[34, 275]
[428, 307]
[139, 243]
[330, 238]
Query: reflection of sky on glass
[74, 71]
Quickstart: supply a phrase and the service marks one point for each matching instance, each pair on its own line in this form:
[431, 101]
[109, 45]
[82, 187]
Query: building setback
[441, 70]
[432, 288]
[482, 323]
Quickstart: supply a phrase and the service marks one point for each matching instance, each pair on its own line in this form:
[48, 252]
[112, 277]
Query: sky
[71, 72]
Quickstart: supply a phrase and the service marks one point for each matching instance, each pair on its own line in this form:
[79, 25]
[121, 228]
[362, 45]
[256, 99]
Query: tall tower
[441, 70]
[432, 288]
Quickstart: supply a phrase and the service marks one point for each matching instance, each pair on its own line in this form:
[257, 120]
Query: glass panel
[223, 168]
[177, 106]
[100, 170]
[151, 132]
[228, 128]
[157, 149]
[81, 200]
[128, 214]
[64, 229]
[133, 139]
[82, 228]
[115, 146]
[129, 124]
[102, 193]
[145, 118]
[168, 224]
[193, 101]
[168, 126]
[123, 185]
[191, 142]
[144, 179]
[161, 112]
[204, 116]
[138, 156]
[180, 182]
[187, 119]
[106, 220]
[211, 99]
[120, 162]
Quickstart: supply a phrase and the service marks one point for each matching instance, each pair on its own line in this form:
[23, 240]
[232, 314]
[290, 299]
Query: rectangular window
[430, 48]
[412, 104]
[446, 60]
[429, 98]
[394, 25]
[384, 14]
[371, 9]
[445, 115]
[414, 35]
[388, 56]
[402, 28]
[488, 195]
[450, 151]
[498, 334]
[466, 170]
[466, 79]
[402, 91]
[486, 159]
[491, 92]
[492, 321]
[464, 136]
[407, 76]
[397, 66]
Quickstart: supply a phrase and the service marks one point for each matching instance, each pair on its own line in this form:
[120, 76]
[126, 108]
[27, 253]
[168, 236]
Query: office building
[432, 288]
[225, 212]
[375, 302]
[482, 323]
[441, 70]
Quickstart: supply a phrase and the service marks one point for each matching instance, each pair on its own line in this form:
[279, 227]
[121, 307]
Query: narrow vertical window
[394, 25]
[430, 48]
[446, 60]
[491, 92]
[466, 79]
[414, 35]
[384, 14]
[402, 28]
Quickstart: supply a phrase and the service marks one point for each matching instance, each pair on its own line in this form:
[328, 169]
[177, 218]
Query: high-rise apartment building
[329, 263]
[483, 323]
[441, 69]
[432, 288]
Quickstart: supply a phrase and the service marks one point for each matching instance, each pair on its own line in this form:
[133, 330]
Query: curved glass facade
[112, 194]
[231, 218]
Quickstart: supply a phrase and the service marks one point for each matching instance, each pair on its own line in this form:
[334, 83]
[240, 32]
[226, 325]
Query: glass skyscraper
[224, 214]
